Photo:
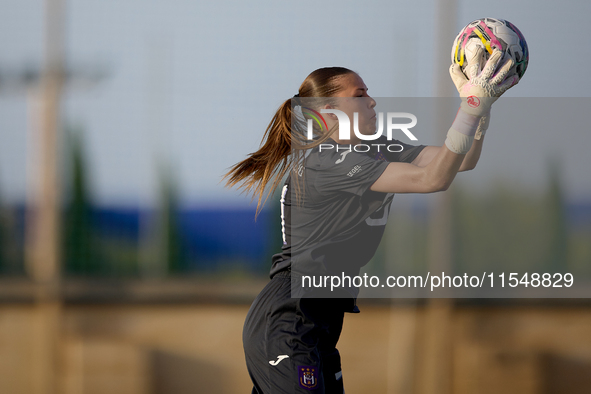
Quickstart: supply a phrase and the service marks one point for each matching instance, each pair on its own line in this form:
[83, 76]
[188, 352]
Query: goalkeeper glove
[482, 88]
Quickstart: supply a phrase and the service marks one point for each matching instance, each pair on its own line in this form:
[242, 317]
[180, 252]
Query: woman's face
[354, 98]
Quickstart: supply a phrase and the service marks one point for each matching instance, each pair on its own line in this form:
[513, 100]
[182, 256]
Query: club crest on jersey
[308, 377]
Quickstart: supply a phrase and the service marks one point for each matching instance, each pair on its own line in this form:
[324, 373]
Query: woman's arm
[469, 163]
[435, 167]
[472, 157]
[436, 176]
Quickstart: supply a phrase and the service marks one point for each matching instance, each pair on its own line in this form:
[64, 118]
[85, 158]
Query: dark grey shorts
[290, 343]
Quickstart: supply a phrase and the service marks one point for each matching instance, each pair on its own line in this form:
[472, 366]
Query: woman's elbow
[468, 166]
[439, 185]
[443, 186]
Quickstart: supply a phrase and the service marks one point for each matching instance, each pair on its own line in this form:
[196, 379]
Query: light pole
[438, 333]
[43, 242]
[42, 239]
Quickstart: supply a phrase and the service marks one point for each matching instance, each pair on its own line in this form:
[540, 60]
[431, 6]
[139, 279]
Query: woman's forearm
[472, 156]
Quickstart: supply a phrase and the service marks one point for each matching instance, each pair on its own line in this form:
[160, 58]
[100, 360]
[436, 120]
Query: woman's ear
[329, 115]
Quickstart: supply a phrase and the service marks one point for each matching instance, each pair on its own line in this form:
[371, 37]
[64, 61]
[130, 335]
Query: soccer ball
[490, 33]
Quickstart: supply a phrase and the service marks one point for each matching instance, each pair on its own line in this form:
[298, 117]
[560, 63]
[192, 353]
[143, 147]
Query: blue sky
[195, 83]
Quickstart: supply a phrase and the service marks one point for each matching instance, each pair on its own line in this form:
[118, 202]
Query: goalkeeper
[341, 203]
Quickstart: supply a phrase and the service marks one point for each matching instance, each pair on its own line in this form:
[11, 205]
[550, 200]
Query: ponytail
[281, 149]
[270, 163]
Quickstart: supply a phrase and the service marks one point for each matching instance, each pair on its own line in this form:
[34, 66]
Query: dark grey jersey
[333, 223]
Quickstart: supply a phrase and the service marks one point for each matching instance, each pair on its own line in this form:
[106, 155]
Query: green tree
[275, 228]
[558, 237]
[79, 243]
[170, 232]
[2, 236]
[11, 250]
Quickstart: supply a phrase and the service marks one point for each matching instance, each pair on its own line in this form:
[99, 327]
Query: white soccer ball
[491, 33]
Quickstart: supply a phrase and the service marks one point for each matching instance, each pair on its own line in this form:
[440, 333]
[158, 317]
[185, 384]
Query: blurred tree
[160, 241]
[79, 244]
[11, 248]
[458, 252]
[275, 228]
[3, 243]
[171, 242]
[558, 237]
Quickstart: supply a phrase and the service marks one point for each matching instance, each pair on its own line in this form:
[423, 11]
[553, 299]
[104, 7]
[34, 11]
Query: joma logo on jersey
[345, 124]
[345, 153]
